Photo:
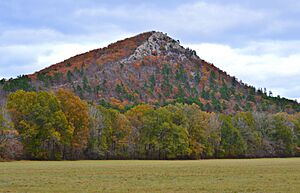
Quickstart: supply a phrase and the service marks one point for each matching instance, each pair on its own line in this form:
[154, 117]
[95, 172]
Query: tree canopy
[59, 125]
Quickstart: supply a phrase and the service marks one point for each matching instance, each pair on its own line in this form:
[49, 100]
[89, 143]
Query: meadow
[219, 176]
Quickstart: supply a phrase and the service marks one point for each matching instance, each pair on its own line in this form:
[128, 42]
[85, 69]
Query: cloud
[29, 36]
[19, 59]
[233, 22]
[199, 17]
[262, 64]
[211, 18]
[26, 51]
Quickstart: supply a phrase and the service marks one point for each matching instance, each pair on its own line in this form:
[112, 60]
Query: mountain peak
[153, 68]
[114, 51]
[152, 43]
[157, 43]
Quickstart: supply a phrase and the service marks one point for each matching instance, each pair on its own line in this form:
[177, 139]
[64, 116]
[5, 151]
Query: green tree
[225, 92]
[282, 135]
[20, 83]
[41, 123]
[197, 123]
[135, 116]
[163, 138]
[232, 143]
[245, 122]
[69, 76]
[152, 82]
[86, 85]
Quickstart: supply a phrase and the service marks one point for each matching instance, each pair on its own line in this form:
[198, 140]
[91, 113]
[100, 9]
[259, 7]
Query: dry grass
[247, 175]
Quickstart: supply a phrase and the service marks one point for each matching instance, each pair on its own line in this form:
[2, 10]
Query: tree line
[60, 126]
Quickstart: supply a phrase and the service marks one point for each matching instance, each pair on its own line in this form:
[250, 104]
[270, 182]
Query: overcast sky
[256, 41]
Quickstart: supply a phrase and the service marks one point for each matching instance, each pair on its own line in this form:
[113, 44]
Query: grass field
[246, 175]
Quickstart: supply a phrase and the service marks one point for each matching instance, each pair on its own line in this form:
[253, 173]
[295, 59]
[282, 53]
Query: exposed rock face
[153, 68]
[156, 44]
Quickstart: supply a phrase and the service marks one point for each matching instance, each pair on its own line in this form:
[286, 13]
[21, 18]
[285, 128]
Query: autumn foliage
[59, 125]
[144, 97]
[150, 68]
[51, 126]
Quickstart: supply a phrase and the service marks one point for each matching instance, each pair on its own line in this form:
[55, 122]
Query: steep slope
[150, 68]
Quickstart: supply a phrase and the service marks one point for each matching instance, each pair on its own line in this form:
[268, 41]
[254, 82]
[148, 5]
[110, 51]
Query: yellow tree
[197, 123]
[76, 112]
[42, 125]
[135, 117]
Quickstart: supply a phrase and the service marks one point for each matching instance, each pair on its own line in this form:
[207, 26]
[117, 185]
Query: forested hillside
[150, 68]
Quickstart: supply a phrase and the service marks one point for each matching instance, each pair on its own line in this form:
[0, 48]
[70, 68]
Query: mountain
[150, 68]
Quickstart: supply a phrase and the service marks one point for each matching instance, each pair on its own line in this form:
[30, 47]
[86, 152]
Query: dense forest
[60, 126]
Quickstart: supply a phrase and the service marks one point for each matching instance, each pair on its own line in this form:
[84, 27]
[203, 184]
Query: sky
[256, 41]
